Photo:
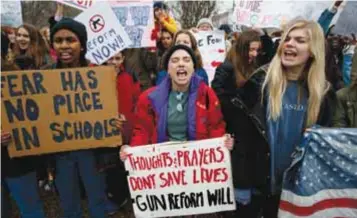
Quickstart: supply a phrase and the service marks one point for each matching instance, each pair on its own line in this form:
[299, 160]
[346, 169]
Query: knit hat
[226, 28]
[160, 5]
[205, 20]
[74, 26]
[172, 49]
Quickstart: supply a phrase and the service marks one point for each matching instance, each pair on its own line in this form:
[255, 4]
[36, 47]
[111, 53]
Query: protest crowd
[263, 108]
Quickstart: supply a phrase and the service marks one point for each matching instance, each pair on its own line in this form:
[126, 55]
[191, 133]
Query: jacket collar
[160, 98]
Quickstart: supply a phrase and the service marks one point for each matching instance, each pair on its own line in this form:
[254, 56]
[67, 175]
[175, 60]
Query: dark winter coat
[245, 116]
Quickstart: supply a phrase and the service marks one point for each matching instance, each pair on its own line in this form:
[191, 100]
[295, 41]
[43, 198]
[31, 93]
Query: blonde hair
[314, 73]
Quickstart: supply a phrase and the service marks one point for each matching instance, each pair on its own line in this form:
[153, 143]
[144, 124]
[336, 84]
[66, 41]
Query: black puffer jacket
[244, 113]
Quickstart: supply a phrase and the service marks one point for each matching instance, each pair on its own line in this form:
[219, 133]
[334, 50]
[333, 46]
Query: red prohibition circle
[96, 23]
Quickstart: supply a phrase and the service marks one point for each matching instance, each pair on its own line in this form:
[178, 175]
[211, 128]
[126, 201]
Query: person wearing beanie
[181, 108]
[205, 24]
[185, 37]
[69, 39]
[77, 32]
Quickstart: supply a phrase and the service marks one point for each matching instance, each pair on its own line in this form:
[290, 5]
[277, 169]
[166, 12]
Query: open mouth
[181, 74]
[65, 55]
[290, 54]
[23, 44]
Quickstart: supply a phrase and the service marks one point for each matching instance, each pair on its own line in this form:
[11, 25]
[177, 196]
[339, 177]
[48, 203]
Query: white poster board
[180, 179]
[79, 4]
[106, 36]
[11, 13]
[269, 13]
[137, 18]
[212, 47]
[347, 21]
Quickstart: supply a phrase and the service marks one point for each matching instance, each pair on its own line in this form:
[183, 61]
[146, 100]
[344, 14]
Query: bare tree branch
[37, 13]
[190, 12]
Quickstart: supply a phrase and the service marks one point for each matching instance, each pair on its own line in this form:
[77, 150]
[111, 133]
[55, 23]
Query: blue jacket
[346, 69]
[200, 72]
[325, 20]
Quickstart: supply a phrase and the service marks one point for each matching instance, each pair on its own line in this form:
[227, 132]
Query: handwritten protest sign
[106, 36]
[180, 179]
[59, 110]
[137, 18]
[346, 23]
[212, 47]
[267, 13]
[79, 4]
[252, 13]
[11, 14]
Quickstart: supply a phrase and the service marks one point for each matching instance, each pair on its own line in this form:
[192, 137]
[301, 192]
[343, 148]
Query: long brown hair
[194, 46]
[37, 49]
[238, 55]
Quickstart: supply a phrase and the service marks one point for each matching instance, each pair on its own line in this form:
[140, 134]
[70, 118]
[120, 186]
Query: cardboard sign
[212, 47]
[106, 36]
[49, 111]
[11, 14]
[137, 18]
[266, 13]
[180, 179]
[346, 23]
[79, 4]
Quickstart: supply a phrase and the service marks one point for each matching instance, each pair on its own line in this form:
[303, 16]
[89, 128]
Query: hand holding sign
[5, 138]
[53, 111]
[120, 121]
[179, 179]
[338, 3]
[228, 142]
[122, 153]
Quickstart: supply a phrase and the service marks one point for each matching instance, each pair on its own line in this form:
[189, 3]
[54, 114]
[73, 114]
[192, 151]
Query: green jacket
[346, 109]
